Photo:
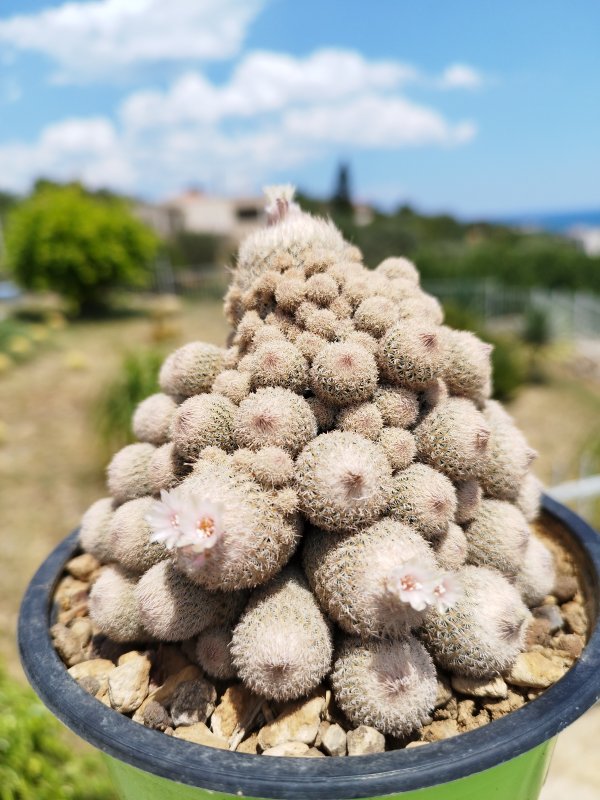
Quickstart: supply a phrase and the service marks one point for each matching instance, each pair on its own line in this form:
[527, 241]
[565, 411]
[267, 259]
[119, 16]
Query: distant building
[587, 237]
[194, 211]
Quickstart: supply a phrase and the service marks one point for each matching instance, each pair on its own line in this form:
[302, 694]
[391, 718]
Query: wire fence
[571, 315]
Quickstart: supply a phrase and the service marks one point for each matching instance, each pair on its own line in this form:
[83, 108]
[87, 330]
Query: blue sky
[471, 106]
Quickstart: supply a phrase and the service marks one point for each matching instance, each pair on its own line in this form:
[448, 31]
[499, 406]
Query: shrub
[36, 761]
[136, 380]
[64, 240]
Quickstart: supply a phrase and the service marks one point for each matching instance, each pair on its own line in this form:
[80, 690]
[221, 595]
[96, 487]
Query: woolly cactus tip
[280, 202]
[390, 685]
[343, 480]
[281, 646]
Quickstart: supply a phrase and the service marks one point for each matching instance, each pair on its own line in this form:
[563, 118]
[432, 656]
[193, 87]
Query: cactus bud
[454, 438]
[399, 407]
[537, 576]
[173, 608]
[274, 418]
[94, 536]
[343, 374]
[343, 481]
[424, 498]
[113, 606]
[410, 354]
[389, 685]
[191, 370]
[281, 646]
[232, 384]
[468, 498]
[352, 576]
[484, 632]
[498, 537]
[212, 652]
[399, 446]
[152, 419]
[364, 419]
[127, 473]
[203, 421]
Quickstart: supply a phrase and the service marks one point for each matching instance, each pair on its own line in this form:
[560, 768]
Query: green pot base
[520, 778]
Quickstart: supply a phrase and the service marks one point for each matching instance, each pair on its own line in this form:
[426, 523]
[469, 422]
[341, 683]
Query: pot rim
[317, 779]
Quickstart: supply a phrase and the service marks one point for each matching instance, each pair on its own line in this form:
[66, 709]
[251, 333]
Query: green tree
[341, 200]
[65, 240]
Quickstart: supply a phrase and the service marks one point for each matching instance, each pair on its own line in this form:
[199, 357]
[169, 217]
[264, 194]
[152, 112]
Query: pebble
[71, 592]
[91, 685]
[535, 670]
[469, 717]
[499, 708]
[164, 693]
[477, 687]
[131, 655]
[97, 670]
[200, 734]
[156, 716]
[287, 749]
[575, 618]
[538, 632]
[82, 567]
[193, 701]
[71, 642]
[552, 615]
[565, 588]
[170, 660]
[444, 691]
[438, 730]
[128, 684]
[234, 711]
[364, 740]
[334, 740]
[249, 745]
[571, 643]
[322, 728]
[449, 711]
[299, 723]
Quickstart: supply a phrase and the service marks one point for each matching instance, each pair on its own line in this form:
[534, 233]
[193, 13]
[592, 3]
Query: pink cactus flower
[165, 518]
[202, 529]
[445, 592]
[412, 583]
[192, 525]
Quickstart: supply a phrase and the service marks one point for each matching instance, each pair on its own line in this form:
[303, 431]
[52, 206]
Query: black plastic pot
[506, 759]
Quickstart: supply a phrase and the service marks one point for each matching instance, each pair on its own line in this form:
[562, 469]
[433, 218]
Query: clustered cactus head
[338, 469]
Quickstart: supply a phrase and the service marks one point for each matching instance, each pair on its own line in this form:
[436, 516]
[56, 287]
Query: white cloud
[103, 37]
[376, 121]
[461, 76]
[275, 112]
[265, 82]
[73, 149]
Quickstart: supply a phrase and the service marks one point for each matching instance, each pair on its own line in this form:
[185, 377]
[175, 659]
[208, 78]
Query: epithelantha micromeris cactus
[334, 494]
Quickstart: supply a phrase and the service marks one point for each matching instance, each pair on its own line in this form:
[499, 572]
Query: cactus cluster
[333, 495]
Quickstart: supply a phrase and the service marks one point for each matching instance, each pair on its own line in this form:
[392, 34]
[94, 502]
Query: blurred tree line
[444, 247]
[84, 244]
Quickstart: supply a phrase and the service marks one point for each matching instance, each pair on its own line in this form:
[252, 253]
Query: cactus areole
[333, 500]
